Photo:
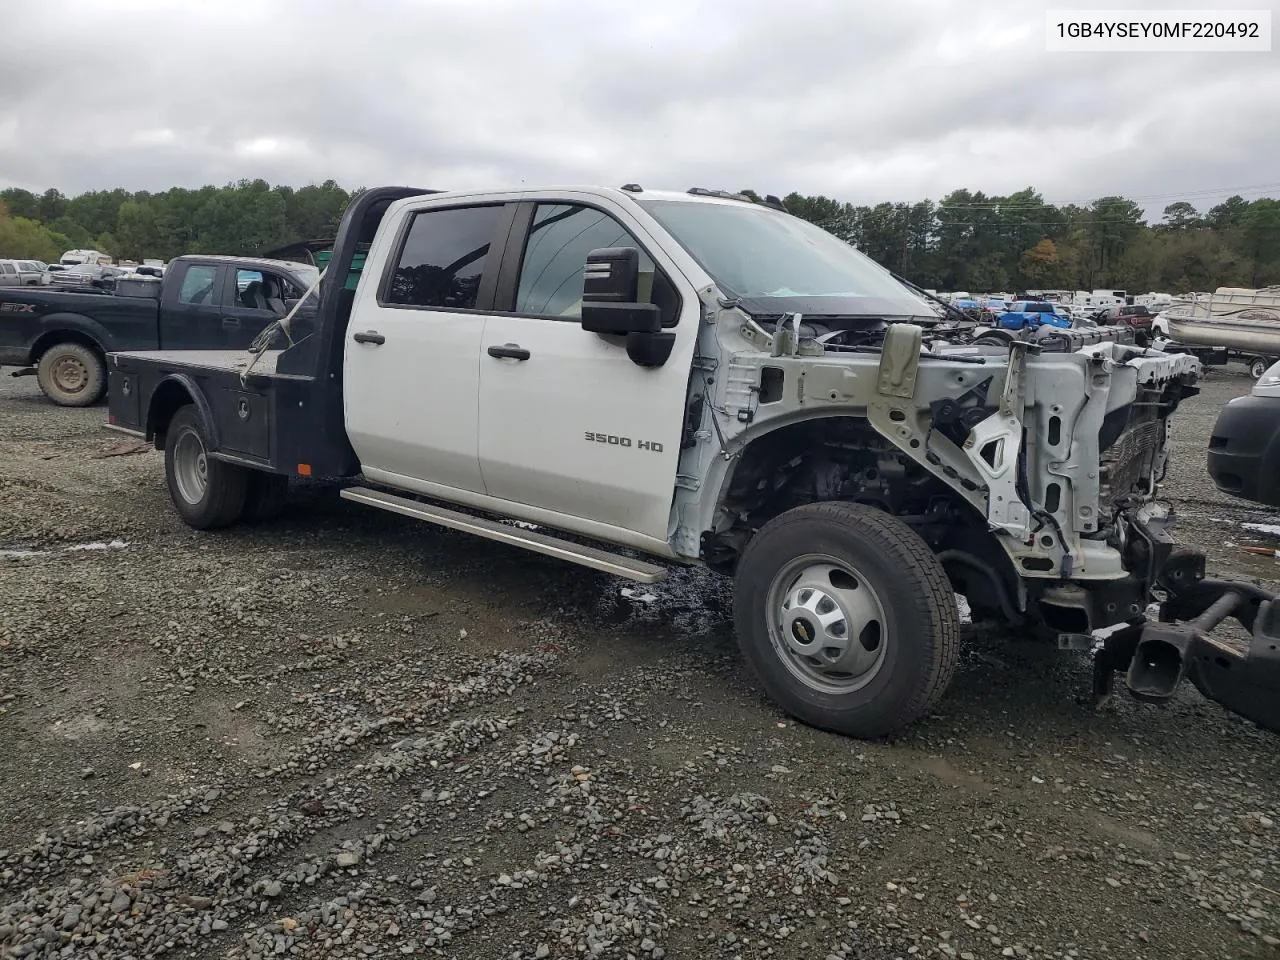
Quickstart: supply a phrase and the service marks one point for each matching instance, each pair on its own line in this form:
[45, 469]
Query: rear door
[413, 347]
[191, 307]
[8, 274]
[575, 427]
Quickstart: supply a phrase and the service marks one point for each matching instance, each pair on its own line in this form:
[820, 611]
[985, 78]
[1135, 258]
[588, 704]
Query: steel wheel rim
[190, 467]
[827, 624]
[70, 375]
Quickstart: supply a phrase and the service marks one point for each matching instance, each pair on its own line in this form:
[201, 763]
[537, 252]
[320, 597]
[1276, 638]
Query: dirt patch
[346, 734]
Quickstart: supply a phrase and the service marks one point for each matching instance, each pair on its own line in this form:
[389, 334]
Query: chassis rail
[1156, 656]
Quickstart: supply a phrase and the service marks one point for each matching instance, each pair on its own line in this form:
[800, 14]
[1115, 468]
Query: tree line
[968, 240]
[243, 218]
[976, 242]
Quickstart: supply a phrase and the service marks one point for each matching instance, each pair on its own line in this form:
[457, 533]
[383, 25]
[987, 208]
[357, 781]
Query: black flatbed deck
[258, 416]
[225, 361]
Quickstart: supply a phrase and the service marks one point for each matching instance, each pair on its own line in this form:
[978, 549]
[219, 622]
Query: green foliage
[243, 218]
[971, 241]
[968, 240]
[25, 239]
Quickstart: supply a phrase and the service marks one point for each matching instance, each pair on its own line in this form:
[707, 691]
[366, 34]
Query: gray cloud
[863, 102]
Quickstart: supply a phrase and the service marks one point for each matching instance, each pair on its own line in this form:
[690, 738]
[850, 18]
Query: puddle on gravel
[1269, 528]
[20, 553]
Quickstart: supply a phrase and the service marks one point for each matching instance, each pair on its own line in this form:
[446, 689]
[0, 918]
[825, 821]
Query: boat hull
[1243, 336]
[1233, 317]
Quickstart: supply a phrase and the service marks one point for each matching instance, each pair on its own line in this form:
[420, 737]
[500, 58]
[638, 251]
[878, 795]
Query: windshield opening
[779, 263]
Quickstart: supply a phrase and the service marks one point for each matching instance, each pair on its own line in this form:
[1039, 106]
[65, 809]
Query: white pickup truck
[656, 378]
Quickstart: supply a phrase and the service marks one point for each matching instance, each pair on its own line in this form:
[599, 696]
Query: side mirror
[610, 291]
[610, 287]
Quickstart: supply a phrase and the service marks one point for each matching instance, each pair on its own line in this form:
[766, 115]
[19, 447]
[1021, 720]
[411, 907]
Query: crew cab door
[191, 307]
[412, 352]
[568, 423]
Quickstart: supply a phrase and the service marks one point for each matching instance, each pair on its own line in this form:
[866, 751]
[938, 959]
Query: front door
[251, 300]
[413, 348]
[575, 426]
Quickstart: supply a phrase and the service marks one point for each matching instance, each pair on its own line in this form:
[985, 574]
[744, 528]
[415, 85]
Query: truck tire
[1257, 367]
[847, 618]
[207, 493]
[72, 375]
[998, 338]
[266, 496]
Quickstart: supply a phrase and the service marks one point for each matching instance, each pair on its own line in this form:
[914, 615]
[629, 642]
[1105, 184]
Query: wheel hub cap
[828, 624]
[70, 375]
[190, 467]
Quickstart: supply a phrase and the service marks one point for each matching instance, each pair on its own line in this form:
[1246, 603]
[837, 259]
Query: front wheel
[847, 618]
[207, 493]
[72, 375]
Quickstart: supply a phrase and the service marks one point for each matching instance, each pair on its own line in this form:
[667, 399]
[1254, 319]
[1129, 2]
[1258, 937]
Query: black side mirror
[610, 286]
[610, 289]
[612, 275]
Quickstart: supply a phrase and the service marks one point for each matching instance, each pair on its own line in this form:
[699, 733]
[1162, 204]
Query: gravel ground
[344, 734]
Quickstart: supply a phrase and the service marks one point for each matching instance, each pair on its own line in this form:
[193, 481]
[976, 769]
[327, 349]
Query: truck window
[197, 285]
[443, 259]
[551, 273]
[7, 268]
[246, 277]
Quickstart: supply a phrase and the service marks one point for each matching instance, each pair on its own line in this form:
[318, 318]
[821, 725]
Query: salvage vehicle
[19, 273]
[656, 379]
[203, 302]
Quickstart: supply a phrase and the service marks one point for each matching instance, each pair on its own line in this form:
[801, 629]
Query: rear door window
[197, 285]
[444, 257]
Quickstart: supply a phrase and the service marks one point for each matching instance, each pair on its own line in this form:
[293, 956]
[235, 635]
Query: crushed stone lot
[347, 734]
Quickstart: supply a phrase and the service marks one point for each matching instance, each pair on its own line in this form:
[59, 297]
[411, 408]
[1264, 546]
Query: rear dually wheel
[207, 493]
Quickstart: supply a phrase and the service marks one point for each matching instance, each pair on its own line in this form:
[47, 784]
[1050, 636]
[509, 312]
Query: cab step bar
[613, 563]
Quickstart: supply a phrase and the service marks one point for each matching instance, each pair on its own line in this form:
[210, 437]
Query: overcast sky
[858, 100]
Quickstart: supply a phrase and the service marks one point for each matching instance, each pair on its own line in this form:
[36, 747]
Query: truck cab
[660, 378]
[63, 332]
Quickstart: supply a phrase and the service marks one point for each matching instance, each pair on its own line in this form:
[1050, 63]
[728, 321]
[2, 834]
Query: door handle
[509, 351]
[231, 321]
[372, 336]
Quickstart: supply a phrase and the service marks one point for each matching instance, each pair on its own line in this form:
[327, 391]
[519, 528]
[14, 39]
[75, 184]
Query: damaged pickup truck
[658, 379]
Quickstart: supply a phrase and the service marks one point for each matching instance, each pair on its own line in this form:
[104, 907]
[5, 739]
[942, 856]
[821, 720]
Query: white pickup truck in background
[660, 378]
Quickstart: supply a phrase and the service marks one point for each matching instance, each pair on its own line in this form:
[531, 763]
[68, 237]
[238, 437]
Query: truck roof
[250, 261]
[634, 193]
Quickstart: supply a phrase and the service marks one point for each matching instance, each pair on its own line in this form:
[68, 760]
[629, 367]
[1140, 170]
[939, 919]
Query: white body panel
[431, 412]
[410, 403]
[535, 416]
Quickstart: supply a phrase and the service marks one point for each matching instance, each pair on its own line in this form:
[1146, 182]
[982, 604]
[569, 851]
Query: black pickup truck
[203, 303]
